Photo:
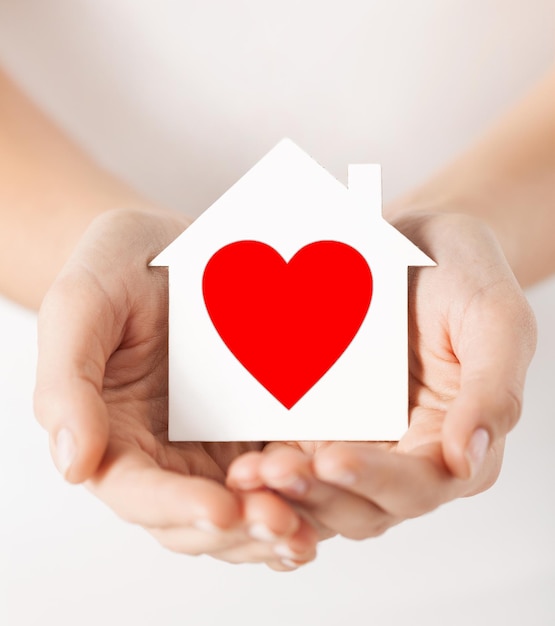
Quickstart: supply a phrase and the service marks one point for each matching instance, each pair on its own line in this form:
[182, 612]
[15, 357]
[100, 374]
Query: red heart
[287, 323]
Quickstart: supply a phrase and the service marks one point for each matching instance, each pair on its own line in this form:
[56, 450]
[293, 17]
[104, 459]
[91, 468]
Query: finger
[403, 485]
[140, 492]
[268, 517]
[289, 471]
[267, 530]
[244, 475]
[290, 553]
[194, 541]
[495, 346]
[76, 332]
[284, 565]
[243, 472]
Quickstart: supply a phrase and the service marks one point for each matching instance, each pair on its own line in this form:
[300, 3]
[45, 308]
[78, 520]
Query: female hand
[471, 338]
[102, 395]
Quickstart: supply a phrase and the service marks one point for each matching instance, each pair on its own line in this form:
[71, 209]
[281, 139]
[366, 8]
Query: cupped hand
[101, 393]
[471, 338]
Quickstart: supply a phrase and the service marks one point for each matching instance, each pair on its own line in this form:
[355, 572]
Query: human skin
[101, 383]
[472, 336]
[101, 389]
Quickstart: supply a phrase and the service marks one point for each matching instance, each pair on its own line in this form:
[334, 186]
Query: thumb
[495, 347]
[75, 328]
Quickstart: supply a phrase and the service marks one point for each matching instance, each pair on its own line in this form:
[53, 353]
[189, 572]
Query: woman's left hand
[471, 338]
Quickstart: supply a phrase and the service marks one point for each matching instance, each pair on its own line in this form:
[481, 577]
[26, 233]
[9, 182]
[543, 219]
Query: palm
[434, 370]
[434, 373]
[446, 312]
[103, 353]
[102, 380]
[471, 338]
[135, 390]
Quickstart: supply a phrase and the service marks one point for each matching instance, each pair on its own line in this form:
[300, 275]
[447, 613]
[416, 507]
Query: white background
[66, 559]
[181, 97]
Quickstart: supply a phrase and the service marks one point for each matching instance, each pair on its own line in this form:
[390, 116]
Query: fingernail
[477, 449]
[206, 526]
[261, 532]
[65, 450]
[285, 551]
[295, 485]
[290, 564]
[343, 478]
[347, 478]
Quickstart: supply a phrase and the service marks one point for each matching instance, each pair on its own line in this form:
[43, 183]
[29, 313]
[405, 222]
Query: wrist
[139, 222]
[147, 230]
[482, 206]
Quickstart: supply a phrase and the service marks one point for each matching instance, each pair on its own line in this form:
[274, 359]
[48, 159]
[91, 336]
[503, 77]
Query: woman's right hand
[101, 393]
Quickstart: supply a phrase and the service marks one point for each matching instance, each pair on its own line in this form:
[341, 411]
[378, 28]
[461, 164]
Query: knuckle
[529, 325]
[382, 483]
[129, 517]
[425, 501]
[368, 530]
[177, 541]
[512, 410]
[373, 523]
[45, 405]
[422, 506]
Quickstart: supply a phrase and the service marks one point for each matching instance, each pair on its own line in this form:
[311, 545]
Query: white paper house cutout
[287, 201]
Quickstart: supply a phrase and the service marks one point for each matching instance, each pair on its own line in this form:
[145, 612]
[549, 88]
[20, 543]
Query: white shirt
[182, 97]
